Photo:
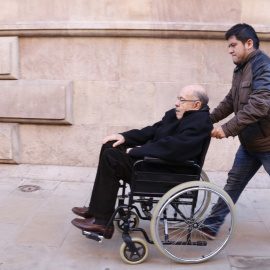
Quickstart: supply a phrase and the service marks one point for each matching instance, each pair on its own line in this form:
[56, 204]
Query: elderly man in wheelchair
[163, 165]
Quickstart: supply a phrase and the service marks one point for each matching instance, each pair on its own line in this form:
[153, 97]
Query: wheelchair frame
[177, 217]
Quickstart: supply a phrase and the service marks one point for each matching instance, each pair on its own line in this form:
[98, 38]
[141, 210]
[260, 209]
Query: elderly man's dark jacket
[172, 139]
[249, 99]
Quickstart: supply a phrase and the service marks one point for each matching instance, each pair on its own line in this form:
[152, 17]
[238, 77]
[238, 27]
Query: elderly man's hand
[218, 133]
[115, 137]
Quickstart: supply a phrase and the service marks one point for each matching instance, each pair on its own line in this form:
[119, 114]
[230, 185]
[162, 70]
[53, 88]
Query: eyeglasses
[182, 101]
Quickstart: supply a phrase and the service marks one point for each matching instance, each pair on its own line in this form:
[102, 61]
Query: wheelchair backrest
[202, 156]
[145, 182]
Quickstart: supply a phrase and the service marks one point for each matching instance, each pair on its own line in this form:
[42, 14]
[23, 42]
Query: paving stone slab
[249, 262]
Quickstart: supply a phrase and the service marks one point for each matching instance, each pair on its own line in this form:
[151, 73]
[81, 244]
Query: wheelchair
[176, 205]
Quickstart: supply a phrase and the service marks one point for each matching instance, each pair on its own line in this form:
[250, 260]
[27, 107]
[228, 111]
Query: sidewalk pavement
[36, 233]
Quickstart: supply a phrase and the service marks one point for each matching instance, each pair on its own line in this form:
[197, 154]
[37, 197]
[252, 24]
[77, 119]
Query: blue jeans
[245, 165]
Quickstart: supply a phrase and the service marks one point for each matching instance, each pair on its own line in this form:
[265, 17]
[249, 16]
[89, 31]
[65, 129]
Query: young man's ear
[249, 44]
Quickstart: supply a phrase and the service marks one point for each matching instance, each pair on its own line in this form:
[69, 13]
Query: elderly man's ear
[197, 105]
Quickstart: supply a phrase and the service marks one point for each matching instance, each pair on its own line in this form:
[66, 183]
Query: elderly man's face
[186, 101]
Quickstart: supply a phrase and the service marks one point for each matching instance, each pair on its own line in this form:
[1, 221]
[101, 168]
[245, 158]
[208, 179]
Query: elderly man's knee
[107, 145]
[109, 155]
[104, 147]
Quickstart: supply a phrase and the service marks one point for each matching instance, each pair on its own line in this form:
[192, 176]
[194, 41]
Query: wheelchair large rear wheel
[178, 236]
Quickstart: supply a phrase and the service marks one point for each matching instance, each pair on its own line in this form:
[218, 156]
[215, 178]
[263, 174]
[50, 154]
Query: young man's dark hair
[243, 32]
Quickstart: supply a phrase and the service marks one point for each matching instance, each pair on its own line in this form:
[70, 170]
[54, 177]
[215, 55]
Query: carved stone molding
[9, 143]
[38, 101]
[9, 58]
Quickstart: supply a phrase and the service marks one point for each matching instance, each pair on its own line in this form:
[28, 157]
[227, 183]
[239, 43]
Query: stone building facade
[72, 72]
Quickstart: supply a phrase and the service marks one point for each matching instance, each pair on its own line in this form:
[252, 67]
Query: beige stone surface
[27, 256]
[122, 10]
[35, 233]
[9, 58]
[114, 103]
[20, 208]
[163, 60]
[29, 173]
[37, 101]
[5, 144]
[265, 46]
[197, 11]
[61, 145]
[9, 143]
[91, 59]
[217, 66]
[256, 12]
[5, 56]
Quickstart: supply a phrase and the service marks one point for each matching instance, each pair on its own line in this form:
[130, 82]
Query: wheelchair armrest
[187, 163]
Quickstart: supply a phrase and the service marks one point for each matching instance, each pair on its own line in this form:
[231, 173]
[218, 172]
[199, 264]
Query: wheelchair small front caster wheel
[139, 256]
[133, 221]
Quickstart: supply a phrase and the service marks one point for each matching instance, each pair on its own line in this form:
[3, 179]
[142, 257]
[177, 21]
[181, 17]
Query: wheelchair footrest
[93, 236]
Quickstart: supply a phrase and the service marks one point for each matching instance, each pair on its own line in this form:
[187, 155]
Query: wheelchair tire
[131, 258]
[207, 196]
[133, 222]
[183, 242]
[204, 176]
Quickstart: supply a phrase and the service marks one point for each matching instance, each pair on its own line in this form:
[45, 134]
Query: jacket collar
[205, 109]
[247, 59]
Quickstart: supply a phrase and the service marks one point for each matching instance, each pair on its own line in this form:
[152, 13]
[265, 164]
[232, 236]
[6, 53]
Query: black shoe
[209, 233]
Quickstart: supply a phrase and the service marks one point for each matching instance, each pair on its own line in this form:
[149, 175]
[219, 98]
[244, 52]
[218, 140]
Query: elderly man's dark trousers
[114, 165]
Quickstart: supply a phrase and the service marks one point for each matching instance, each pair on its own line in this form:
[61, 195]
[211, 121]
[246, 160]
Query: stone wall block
[61, 145]
[87, 59]
[256, 12]
[9, 143]
[39, 101]
[9, 58]
[111, 10]
[209, 11]
[165, 60]
[114, 103]
[217, 65]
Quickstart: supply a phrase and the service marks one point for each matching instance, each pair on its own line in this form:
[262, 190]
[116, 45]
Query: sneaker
[209, 233]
